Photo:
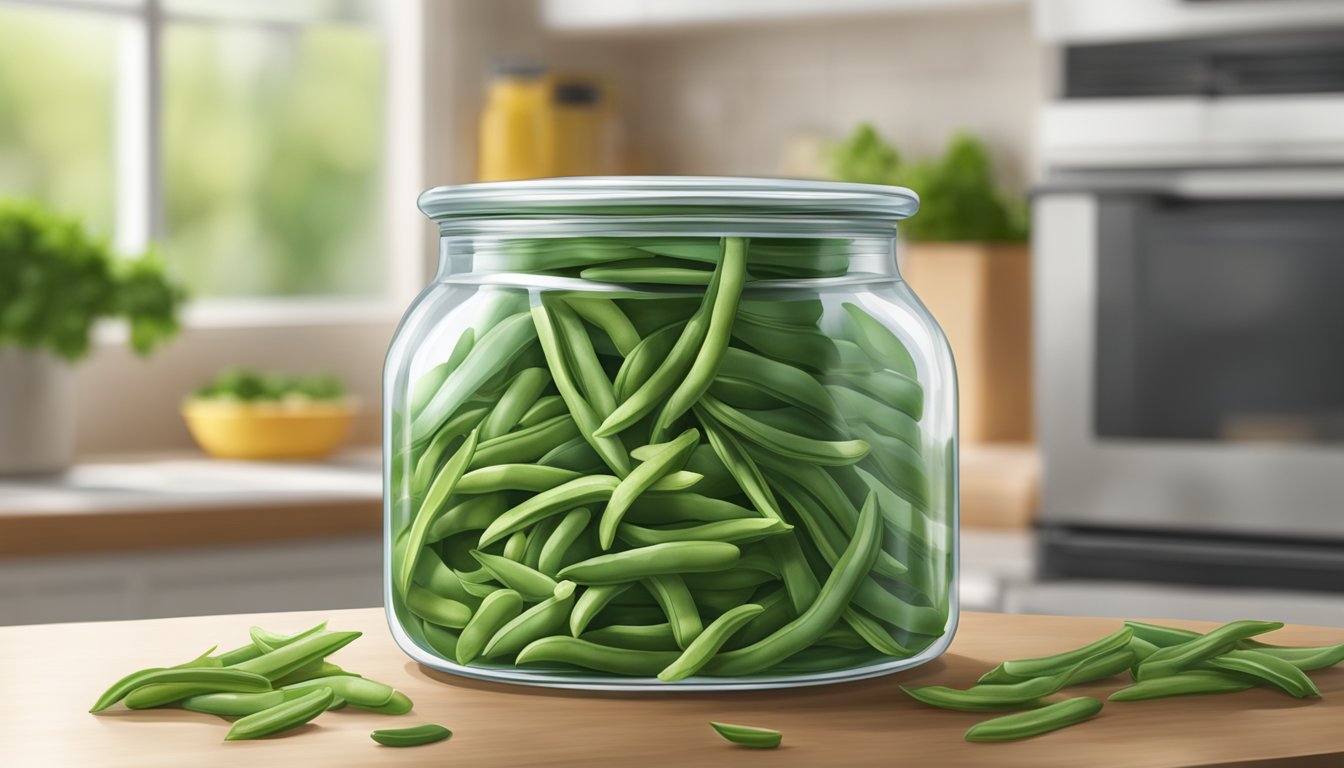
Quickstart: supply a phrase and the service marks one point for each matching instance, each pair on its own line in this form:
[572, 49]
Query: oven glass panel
[1220, 320]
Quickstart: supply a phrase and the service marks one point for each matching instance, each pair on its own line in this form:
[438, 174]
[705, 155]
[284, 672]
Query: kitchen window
[248, 139]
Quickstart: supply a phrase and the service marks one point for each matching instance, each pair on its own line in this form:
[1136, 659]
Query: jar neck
[673, 259]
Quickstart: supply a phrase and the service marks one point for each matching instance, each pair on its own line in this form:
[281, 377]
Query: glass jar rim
[673, 196]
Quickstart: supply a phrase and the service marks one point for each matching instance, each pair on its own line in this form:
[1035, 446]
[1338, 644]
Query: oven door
[1190, 354]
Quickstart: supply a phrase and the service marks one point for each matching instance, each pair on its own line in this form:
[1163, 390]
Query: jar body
[601, 448]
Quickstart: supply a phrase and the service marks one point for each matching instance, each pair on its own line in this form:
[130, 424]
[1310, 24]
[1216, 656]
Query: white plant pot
[37, 412]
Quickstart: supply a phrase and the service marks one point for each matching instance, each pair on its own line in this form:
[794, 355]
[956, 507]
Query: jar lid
[596, 196]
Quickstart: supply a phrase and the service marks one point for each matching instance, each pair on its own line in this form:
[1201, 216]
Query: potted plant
[56, 282]
[967, 256]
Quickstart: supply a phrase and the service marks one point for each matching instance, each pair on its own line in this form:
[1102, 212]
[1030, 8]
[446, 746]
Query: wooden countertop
[50, 674]
[176, 502]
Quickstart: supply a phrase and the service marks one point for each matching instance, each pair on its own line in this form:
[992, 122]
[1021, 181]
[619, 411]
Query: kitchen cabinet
[631, 15]
[61, 669]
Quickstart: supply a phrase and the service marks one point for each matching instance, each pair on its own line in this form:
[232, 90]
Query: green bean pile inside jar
[682, 433]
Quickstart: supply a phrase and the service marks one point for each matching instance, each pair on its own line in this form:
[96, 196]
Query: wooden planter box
[980, 294]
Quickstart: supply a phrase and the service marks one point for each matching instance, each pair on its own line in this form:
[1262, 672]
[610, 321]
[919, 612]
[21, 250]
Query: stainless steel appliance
[1189, 258]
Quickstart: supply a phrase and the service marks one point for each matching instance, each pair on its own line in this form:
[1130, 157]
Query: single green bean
[797, 447]
[440, 610]
[591, 603]
[233, 704]
[989, 697]
[575, 493]
[557, 545]
[1270, 669]
[584, 653]
[527, 444]
[673, 508]
[748, 735]
[1023, 725]
[732, 273]
[495, 350]
[532, 584]
[678, 605]
[733, 531]
[592, 379]
[640, 479]
[474, 514]
[605, 315]
[653, 275]
[638, 637]
[707, 643]
[359, 692]
[1159, 635]
[880, 343]
[413, 736]
[1050, 665]
[547, 407]
[1305, 659]
[1196, 682]
[657, 560]
[266, 640]
[644, 359]
[523, 390]
[438, 494]
[740, 465]
[283, 717]
[432, 380]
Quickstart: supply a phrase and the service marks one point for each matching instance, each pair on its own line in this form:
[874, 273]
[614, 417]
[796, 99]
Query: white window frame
[139, 170]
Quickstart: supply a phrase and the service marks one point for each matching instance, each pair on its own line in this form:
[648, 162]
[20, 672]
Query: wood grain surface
[51, 674]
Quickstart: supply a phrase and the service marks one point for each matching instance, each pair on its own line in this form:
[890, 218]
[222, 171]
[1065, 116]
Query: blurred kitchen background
[1134, 220]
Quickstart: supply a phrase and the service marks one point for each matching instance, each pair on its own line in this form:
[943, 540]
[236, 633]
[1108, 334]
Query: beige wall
[733, 100]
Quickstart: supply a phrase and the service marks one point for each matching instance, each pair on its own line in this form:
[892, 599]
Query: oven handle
[1260, 185]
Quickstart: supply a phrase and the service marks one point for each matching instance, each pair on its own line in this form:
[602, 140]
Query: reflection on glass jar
[678, 432]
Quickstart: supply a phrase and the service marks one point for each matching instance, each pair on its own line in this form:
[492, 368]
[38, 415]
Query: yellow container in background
[303, 429]
[538, 125]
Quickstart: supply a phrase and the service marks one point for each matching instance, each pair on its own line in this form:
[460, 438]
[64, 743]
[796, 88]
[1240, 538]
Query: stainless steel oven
[1189, 258]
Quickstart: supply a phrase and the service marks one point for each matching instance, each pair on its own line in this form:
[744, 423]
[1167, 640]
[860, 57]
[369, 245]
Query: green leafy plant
[959, 199]
[247, 385]
[56, 281]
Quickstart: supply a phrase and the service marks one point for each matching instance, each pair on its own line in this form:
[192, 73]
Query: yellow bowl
[296, 429]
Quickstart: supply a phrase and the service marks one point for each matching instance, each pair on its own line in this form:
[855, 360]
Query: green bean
[438, 578]
[527, 444]
[1051, 665]
[605, 315]
[873, 634]
[442, 640]
[545, 618]
[1141, 648]
[640, 479]
[1176, 658]
[440, 610]
[638, 637]
[359, 692]
[428, 464]
[797, 447]
[784, 382]
[1196, 682]
[206, 679]
[654, 275]
[733, 531]
[313, 669]
[523, 390]
[265, 640]
[1159, 635]
[233, 704]
[428, 384]
[438, 494]
[1270, 669]
[840, 587]
[558, 544]
[707, 643]
[543, 253]
[678, 605]
[283, 717]
[480, 591]
[536, 541]
[592, 379]
[575, 493]
[748, 736]
[399, 704]
[1305, 659]
[900, 392]
[474, 514]
[740, 465]
[583, 653]
[807, 348]
[644, 359]
[677, 557]
[414, 736]
[880, 343]
[498, 609]
[731, 273]
[673, 508]
[591, 603]
[670, 371]
[493, 352]
[717, 601]
[989, 697]
[1023, 725]
[611, 450]
[544, 408]
[532, 584]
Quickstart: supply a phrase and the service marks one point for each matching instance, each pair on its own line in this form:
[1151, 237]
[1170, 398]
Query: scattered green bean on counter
[1162, 661]
[681, 454]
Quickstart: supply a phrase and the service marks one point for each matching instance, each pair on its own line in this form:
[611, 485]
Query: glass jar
[676, 432]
